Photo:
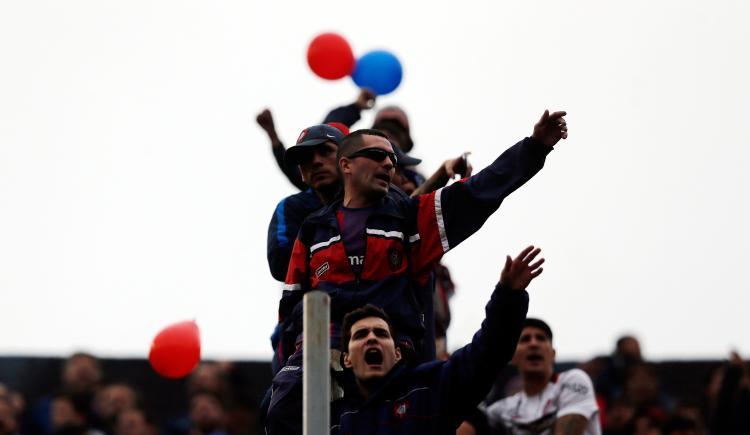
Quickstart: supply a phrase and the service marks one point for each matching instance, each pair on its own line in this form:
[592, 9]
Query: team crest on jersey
[394, 259]
[322, 269]
[400, 409]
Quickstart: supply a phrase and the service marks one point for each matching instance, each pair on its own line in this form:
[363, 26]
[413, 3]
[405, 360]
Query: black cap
[311, 137]
[404, 159]
[538, 324]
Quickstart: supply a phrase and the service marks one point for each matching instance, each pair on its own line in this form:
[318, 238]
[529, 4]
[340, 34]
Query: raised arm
[265, 121]
[350, 114]
[467, 377]
[448, 216]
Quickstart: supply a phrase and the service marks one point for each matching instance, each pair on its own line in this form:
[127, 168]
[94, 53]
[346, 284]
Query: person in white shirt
[549, 403]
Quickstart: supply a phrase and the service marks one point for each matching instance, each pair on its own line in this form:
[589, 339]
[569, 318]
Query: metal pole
[316, 383]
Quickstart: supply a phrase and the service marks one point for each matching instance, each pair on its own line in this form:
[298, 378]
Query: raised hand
[459, 165]
[550, 128]
[365, 99]
[265, 120]
[518, 272]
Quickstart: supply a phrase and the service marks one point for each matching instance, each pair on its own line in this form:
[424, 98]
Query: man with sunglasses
[378, 246]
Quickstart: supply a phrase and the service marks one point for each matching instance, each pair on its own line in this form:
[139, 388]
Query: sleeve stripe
[414, 238]
[291, 287]
[439, 218]
[317, 246]
[387, 234]
[281, 225]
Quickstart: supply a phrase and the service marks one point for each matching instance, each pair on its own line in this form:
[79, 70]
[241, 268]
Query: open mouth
[373, 356]
[535, 358]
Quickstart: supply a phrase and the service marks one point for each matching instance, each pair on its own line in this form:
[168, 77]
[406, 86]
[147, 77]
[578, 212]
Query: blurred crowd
[630, 394]
[85, 401]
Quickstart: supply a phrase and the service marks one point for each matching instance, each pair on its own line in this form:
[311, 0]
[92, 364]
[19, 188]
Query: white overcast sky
[136, 189]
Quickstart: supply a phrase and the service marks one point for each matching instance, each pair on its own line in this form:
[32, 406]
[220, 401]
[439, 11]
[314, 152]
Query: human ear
[398, 354]
[347, 361]
[344, 165]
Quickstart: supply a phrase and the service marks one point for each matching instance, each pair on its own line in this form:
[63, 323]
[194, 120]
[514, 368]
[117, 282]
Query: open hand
[550, 128]
[518, 273]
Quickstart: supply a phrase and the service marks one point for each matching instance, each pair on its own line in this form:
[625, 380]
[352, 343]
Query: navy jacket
[435, 397]
[405, 238]
[282, 231]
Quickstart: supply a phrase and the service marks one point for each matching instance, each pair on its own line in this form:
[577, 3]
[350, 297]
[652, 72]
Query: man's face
[132, 422]
[372, 352]
[369, 178]
[113, 399]
[534, 353]
[81, 373]
[206, 413]
[318, 168]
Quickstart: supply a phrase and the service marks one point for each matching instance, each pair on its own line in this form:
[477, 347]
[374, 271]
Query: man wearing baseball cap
[315, 156]
[364, 101]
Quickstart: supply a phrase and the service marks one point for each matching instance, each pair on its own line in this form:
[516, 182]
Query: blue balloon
[379, 70]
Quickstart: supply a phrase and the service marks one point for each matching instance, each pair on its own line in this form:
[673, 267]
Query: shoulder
[575, 394]
[307, 199]
[323, 211]
[577, 379]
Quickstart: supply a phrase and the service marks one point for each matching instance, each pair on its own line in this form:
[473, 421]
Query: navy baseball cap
[311, 137]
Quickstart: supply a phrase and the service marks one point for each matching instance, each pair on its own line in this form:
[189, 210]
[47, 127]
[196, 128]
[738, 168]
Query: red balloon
[330, 56]
[176, 350]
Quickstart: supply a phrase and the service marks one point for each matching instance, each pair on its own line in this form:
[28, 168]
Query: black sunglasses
[375, 154]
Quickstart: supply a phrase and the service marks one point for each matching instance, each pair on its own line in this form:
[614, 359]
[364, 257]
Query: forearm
[509, 171]
[484, 192]
[468, 374]
[498, 336]
[346, 115]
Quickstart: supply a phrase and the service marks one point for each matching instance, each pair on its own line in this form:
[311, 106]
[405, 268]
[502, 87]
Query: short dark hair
[354, 141]
[355, 316]
[538, 324]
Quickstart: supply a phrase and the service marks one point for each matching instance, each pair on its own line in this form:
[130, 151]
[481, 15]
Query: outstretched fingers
[536, 273]
[527, 255]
